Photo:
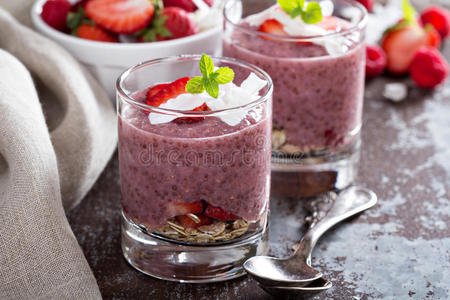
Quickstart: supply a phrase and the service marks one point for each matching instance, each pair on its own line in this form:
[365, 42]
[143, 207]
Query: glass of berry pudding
[316, 57]
[194, 153]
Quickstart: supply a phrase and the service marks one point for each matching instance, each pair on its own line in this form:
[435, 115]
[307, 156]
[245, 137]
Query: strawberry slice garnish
[121, 16]
[54, 13]
[181, 208]
[178, 22]
[185, 120]
[165, 92]
[401, 43]
[272, 26]
[219, 214]
[161, 93]
[95, 33]
[188, 222]
[156, 89]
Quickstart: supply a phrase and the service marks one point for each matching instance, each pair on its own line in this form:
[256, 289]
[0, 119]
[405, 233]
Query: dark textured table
[398, 250]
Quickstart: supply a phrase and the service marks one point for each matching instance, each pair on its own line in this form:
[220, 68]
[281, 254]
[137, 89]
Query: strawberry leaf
[195, 85]
[75, 19]
[409, 12]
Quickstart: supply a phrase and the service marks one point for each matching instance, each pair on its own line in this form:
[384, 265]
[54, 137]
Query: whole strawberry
[54, 13]
[428, 68]
[439, 17]
[375, 61]
[401, 42]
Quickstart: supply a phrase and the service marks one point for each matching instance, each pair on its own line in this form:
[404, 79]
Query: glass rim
[192, 57]
[360, 25]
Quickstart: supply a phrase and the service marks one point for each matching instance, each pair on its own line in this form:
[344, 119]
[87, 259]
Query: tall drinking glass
[204, 166]
[318, 95]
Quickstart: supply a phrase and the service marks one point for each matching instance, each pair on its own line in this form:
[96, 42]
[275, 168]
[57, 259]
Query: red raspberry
[439, 17]
[428, 68]
[54, 13]
[375, 60]
[368, 4]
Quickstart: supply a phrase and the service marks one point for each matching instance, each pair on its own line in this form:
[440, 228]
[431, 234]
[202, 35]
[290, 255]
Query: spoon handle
[349, 202]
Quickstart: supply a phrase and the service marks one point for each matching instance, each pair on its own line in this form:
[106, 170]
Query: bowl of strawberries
[107, 36]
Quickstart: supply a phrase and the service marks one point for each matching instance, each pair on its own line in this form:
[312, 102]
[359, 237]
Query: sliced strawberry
[121, 16]
[178, 23]
[187, 222]
[185, 120]
[95, 33]
[219, 214]
[54, 13]
[181, 208]
[171, 90]
[401, 43]
[156, 89]
[439, 17]
[272, 26]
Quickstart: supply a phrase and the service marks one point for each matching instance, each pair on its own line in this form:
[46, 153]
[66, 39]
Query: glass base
[179, 262]
[306, 176]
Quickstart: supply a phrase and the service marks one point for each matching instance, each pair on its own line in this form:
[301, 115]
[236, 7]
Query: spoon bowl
[317, 286]
[295, 272]
[271, 271]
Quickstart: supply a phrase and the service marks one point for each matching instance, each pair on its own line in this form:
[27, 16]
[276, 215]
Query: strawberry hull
[318, 98]
[226, 166]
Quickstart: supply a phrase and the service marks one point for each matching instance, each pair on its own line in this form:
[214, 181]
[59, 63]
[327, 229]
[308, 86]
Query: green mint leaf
[296, 12]
[195, 85]
[206, 65]
[287, 5]
[224, 75]
[211, 86]
[312, 13]
[409, 12]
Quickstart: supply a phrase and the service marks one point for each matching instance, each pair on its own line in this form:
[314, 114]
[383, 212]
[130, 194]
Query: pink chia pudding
[318, 97]
[207, 168]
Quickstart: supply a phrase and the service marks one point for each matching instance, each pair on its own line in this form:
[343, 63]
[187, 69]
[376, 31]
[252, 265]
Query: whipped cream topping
[296, 27]
[207, 17]
[230, 96]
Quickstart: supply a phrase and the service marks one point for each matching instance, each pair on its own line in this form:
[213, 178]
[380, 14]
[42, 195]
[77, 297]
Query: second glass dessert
[318, 74]
[194, 153]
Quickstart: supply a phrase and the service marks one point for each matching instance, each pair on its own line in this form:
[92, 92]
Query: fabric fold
[49, 160]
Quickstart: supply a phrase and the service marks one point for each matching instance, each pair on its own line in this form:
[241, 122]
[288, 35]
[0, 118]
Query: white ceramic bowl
[106, 61]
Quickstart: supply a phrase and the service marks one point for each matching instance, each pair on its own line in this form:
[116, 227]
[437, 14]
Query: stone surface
[398, 250]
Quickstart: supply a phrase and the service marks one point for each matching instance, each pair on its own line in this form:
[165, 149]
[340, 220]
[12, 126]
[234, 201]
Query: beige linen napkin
[46, 166]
